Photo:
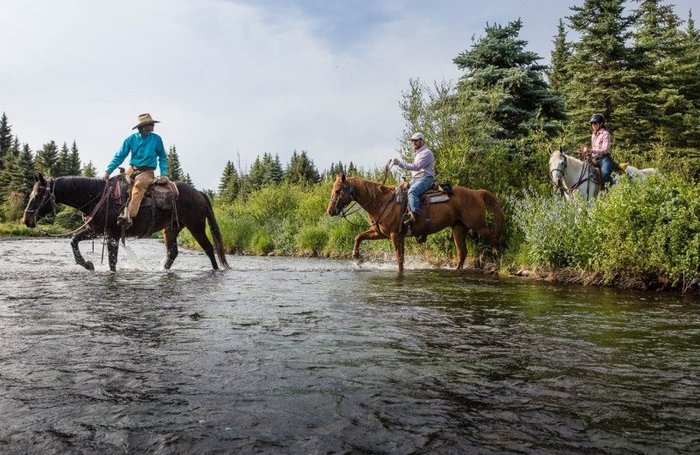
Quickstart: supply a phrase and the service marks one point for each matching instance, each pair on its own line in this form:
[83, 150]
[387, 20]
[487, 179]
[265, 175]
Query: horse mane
[374, 189]
[73, 184]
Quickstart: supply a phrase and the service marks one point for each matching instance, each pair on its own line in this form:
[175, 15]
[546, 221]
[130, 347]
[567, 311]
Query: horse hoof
[89, 266]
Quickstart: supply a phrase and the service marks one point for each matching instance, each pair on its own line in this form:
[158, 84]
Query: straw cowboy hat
[145, 119]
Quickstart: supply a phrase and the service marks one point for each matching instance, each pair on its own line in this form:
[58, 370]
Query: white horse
[570, 174]
[639, 174]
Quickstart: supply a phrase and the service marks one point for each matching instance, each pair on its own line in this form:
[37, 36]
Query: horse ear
[342, 178]
[39, 177]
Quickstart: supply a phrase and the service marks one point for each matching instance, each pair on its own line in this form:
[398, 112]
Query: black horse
[93, 197]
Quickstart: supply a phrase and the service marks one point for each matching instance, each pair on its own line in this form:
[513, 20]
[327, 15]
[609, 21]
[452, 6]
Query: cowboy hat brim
[144, 123]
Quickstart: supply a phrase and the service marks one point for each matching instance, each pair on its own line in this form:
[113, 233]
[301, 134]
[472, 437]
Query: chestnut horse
[465, 210]
[93, 198]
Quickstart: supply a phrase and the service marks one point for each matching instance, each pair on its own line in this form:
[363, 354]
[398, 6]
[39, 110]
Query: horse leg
[200, 235]
[77, 238]
[171, 251]
[399, 241]
[458, 235]
[112, 253]
[371, 234]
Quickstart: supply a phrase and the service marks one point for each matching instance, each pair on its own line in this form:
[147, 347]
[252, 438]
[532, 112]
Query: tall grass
[646, 232]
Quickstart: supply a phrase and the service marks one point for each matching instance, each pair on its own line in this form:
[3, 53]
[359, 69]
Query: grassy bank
[637, 235]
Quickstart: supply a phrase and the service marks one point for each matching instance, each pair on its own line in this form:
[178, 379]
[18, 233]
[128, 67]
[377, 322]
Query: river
[287, 355]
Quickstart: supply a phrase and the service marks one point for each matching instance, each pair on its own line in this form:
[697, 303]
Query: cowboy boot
[410, 219]
[124, 221]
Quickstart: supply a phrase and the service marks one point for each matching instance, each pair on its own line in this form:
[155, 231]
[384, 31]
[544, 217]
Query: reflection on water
[299, 355]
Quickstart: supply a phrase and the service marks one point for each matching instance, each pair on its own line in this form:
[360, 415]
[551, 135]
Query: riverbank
[433, 254]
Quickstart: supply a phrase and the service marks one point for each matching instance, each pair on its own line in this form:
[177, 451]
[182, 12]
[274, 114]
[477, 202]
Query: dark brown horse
[93, 198]
[465, 210]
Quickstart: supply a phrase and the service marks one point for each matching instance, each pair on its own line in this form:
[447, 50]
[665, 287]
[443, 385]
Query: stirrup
[410, 219]
[124, 221]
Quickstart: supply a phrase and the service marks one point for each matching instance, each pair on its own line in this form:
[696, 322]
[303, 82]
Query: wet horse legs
[370, 234]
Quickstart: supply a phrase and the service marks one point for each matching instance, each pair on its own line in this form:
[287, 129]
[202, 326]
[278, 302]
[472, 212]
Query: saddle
[597, 176]
[437, 193]
[158, 195]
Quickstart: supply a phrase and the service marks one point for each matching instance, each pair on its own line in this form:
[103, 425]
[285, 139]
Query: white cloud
[226, 77]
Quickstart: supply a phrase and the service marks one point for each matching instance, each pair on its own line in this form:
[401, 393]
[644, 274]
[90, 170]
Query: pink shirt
[423, 165]
[600, 142]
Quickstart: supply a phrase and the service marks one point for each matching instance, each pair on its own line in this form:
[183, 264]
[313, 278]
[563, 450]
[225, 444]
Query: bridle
[558, 182]
[582, 178]
[349, 208]
[48, 196]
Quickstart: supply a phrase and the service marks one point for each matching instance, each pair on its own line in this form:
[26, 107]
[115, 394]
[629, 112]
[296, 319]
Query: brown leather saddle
[436, 194]
[159, 195]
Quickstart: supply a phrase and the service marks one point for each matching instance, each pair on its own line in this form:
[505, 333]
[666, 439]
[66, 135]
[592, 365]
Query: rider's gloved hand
[394, 161]
[162, 180]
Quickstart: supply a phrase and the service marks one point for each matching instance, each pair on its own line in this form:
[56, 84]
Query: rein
[581, 180]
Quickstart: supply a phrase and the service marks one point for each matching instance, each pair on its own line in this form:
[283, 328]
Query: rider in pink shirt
[600, 147]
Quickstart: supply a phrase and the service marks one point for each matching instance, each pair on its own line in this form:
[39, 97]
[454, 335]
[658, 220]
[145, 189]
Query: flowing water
[283, 355]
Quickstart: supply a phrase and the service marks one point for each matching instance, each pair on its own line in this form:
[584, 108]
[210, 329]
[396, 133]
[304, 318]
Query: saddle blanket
[434, 199]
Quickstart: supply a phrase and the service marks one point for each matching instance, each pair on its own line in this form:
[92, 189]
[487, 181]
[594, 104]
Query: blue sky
[233, 79]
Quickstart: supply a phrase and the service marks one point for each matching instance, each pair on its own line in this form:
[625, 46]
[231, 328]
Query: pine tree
[73, 162]
[558, 73]
[88, 170]
[658, 42]
[25, 170]
[175, 172]
[5, 137]
[229, 184]
[499, 59]
[256, 177]
[62, 167]
[688, 82]
[274, 172]
[301, 169]
[602, 72]
[47, 160]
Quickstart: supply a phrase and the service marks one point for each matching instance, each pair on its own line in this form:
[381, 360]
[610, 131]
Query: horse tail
[492, 203]
[215, 232]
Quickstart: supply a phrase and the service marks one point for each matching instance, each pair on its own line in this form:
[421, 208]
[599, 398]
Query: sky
[233, 79]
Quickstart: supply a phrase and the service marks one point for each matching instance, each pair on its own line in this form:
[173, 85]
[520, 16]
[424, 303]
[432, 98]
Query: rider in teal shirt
[146, 151]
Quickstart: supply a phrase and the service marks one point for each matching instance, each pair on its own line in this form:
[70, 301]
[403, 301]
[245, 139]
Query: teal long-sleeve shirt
[146, 151]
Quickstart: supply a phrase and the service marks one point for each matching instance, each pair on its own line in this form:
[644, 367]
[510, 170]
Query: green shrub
[261, 242]
[312, 239]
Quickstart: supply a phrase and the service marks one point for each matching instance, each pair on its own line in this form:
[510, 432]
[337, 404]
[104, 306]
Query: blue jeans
[606, 167]
[418, 187]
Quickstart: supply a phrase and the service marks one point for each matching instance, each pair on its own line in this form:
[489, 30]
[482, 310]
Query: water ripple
[307, 356]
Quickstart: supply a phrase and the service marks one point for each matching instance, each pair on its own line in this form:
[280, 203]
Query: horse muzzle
[30, 219]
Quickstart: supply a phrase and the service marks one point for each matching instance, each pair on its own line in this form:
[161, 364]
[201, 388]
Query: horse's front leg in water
[112, 253]
[399, 241]
[371, 234]
[77, 238]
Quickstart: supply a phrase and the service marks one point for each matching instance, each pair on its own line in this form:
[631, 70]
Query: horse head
[341, 195]
[41, 201]
[557, 168]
